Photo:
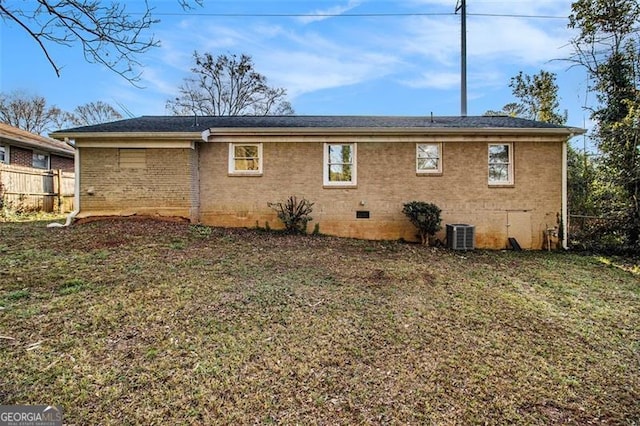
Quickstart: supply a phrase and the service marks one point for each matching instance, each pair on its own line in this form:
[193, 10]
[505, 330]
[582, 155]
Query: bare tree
[228, 85]
[108, 33]
[28, 112]
[93, 113]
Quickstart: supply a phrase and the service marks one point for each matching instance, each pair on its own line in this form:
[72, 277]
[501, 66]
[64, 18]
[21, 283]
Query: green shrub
[424, 216]
[294, 214]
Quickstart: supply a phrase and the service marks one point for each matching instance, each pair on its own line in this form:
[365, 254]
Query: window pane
[244, 151]
[499, 173]
[498, 153]
[428, 151]
[244, 158]
[40, 161]
[340, 173]
[3, 155]
[340, 154]
[427, 164]
[500, 163]
[246, 164]
[428, 157]
[339, 164]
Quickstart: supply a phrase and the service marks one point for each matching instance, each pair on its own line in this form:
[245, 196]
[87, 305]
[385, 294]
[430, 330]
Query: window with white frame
[339, 164]
[4, 154]
[40, 160]
[428, 158]
[501, 164]
[245, 158]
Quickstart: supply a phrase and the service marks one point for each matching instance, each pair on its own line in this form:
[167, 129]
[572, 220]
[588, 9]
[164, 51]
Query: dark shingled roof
[198, 124]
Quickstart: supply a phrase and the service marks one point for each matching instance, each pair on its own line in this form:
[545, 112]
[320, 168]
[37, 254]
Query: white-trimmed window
[4, 154]
[428, 158]
[500, 164]
[40, 160]
[245, 158]
[339, 164]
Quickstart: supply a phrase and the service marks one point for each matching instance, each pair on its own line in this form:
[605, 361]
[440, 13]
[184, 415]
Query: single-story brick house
[22, 148]
[505, 176]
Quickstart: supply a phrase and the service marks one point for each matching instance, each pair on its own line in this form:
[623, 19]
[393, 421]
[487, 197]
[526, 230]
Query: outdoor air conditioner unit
[461, 236]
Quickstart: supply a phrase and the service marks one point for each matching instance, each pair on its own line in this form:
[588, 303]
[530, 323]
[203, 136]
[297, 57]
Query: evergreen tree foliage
[424, 216]
[608, 47]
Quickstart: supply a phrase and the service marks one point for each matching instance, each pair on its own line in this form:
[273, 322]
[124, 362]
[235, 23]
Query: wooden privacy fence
[25, 189]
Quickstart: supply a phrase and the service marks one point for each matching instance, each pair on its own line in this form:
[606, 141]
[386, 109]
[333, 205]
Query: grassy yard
[143, 322]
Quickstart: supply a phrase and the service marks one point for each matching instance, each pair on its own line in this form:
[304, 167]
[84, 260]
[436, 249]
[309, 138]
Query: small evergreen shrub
[294, 214]
[424, 216]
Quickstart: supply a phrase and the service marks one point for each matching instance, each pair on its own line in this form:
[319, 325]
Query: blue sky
[356, 62]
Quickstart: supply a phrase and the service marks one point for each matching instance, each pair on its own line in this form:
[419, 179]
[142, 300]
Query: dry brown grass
[144, 322]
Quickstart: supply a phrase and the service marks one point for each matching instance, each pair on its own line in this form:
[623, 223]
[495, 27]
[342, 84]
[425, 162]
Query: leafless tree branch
[228, 85]
[108, 33]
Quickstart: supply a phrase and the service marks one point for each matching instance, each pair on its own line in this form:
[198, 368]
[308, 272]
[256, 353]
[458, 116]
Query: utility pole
[461, 7]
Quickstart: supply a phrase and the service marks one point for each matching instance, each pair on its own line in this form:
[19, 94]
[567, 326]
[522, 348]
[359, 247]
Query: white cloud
[488, 38]
[300, 61]
[515, 40]
[436, 40]
[421, 52]
[303, 71]
[322, 14]
[159, 82]
[434, 80]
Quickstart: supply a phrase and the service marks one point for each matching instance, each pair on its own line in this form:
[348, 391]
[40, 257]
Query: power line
[350, 15]
[507, 15]
[301, 15]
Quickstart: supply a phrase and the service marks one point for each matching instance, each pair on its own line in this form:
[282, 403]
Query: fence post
[1, 194]
[58, 191]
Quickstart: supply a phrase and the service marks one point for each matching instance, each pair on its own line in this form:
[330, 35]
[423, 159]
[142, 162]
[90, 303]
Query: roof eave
[257, 131]
[38, 147]
[189, 136]
[292, 131]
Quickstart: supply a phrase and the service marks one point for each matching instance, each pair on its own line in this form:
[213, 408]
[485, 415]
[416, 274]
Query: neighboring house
[21, 148]
[505, 176]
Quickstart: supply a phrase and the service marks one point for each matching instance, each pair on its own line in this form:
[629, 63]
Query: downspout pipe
[565, 196]
[76, 195]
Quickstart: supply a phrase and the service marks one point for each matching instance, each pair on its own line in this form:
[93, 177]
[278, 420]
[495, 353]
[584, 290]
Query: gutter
[128, 135]
[316, 131]
[297, 131]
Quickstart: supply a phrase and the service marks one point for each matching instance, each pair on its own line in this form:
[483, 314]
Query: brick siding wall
[386, 179]
[21, 156]
[24, 157]
[163, 187]
[195, 184]
[62, 163]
